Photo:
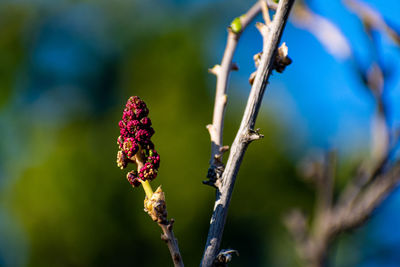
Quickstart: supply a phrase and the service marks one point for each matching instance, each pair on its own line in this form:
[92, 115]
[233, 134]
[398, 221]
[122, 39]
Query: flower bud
[135, 143]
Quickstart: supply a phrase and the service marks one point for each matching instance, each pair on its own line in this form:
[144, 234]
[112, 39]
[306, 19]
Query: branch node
[211, 130]
[164, 238]
[214, 175]
[225, 99]
[263, 29]
[215, 70]
[252, 77]
[257, 60]
[236, 26]
[252, 135]
[282, 59]
[156, 207]
[223, 149]
[224, 256]
[210, 183]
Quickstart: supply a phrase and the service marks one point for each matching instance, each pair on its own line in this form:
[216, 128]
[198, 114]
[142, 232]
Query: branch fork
[333, 218]
[246, 132]
[222, 72]
[251, 135]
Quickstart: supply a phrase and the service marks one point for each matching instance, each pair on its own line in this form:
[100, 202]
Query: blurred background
[67, 68]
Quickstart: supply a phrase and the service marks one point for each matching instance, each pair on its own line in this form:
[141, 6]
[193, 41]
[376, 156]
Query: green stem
[147, 189]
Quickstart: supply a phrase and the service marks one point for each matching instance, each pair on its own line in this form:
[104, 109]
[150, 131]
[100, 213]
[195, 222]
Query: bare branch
[296, 223]
[325, 184]
[240, 144]
[356, 212]
[156, 207]
[312, 244]
[372, 19]
[222, 72]
[171, 241]
[382, 143]
[265, 12]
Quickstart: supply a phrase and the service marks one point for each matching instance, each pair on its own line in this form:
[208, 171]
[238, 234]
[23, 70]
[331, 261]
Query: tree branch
[371, 18]
[245, 133]
[312, 244]
[358, 211]
[156, 207]
[222, 72]
[172, 243]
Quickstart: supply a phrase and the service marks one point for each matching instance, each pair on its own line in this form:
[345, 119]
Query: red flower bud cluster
[134, 142]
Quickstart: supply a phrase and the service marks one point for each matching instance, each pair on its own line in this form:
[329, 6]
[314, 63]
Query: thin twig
[324, 198]
[172, 243]
[325, 183]
[372, 18]
[313, 244]
[155, 206]
[383, 143]
[265, 12]
[357, 212]
[222, 72]
[245, 134]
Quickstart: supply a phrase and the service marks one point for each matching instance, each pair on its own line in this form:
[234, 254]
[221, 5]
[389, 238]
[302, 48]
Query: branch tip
[236, 26]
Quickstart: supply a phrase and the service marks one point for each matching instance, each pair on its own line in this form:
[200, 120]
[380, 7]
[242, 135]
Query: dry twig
[222, 72]
[155, 206]
[246, 132]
